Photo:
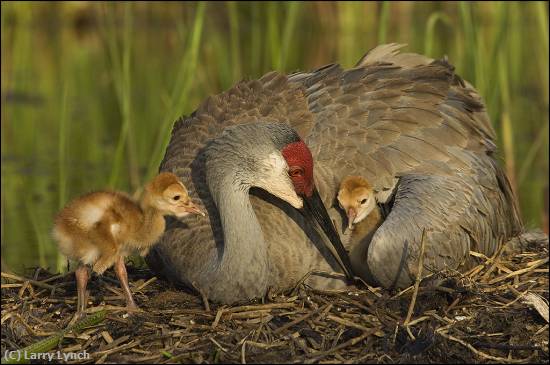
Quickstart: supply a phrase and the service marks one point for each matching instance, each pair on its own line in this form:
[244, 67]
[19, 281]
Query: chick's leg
[120, 270]
[81, 274]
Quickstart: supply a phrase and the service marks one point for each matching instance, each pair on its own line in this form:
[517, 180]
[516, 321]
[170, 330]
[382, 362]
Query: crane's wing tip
[379, 52]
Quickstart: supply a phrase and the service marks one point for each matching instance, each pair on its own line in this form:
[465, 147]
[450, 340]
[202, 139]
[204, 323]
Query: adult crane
[408, 123]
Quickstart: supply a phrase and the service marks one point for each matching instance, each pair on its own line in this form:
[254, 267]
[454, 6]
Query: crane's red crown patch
[298, 154]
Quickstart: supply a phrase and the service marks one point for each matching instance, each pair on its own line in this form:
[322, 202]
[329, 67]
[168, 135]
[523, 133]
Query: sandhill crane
[103, 227]
[407, 123]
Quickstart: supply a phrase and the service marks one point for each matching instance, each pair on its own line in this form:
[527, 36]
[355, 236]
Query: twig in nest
[335, 275]
[319, 355]
[248, 308]
[33, 282]
[494, 261]
[300, 319]
[153, 279]
[519, 272]
[217, 344]
[217, 319]
[418, 277]
[243, 353]
[347, 323]
[504, 346]
[203, 296]
[484, 355]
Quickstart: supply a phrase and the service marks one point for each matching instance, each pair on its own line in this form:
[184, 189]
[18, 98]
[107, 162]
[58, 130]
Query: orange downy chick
[357, 198]
[102, 228]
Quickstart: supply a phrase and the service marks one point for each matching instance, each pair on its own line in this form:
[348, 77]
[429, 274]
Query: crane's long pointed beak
[314, 208]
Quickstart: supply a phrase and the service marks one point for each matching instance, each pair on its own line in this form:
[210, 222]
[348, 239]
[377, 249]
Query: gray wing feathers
[409, 116]
[447, 211]
[463, 211]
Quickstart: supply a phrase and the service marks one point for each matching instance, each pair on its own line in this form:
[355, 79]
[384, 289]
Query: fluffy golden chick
[356, 197]
[102, 228]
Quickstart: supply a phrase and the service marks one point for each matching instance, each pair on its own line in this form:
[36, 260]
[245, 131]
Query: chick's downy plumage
[103, 227]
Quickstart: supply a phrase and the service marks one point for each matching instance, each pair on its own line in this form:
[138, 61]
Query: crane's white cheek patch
[276, 163]
[276, 180]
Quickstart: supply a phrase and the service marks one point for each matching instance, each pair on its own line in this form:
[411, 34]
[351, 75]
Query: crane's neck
[239, 159]
[244, 263]
[151, 227]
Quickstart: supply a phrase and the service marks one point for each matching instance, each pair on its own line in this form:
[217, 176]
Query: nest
[495, 312]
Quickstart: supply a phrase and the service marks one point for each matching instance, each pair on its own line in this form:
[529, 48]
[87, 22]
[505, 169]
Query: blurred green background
[90, 90]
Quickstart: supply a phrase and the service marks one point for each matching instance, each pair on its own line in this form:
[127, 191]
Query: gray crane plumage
[409, 124]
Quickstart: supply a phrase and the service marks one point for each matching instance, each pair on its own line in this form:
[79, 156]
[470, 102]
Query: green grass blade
[293, 10]
[255, 53]
[235, 43]
[470, 41]
[122, 79]
[434, 18]
[62, 162]
[527, 163]
[51, 342]
[542, 23]
[383, 27]
[181, 89]
[273, 34]
[40, 233]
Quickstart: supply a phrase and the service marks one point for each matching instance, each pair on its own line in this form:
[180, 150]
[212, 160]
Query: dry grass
[492, 313]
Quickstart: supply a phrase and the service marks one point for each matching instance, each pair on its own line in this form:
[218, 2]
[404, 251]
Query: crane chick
[356, 197]
[102, 228]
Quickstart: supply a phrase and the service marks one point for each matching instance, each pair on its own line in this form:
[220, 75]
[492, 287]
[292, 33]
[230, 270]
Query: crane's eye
[296, 171]
[177, 197]
[363, 201]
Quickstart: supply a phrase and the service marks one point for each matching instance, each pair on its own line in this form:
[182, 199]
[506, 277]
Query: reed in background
[90, 90]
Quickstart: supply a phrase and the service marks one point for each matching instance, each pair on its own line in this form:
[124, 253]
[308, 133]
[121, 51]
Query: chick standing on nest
[102, 228]
[356, 197]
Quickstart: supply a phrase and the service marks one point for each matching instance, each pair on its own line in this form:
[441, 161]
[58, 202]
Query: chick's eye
[177, 197]
[364, 201]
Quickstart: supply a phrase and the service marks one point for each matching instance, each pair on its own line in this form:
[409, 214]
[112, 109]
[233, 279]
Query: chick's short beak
[192, 208]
